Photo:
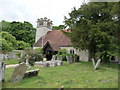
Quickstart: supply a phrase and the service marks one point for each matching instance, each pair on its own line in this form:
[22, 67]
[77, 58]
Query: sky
[31, 10]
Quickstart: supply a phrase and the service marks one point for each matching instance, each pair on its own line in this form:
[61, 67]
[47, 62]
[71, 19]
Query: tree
[22, 45]
[8, 42]
[94, 27]
[58, 27]
[22, 31]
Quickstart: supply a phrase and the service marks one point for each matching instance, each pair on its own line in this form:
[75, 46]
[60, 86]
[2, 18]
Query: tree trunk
[91, 55]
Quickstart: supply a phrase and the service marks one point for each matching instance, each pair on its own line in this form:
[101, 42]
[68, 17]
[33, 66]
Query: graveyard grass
[11, 61]
[76, 75]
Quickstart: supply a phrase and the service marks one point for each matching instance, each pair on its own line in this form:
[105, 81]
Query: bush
[35, 55]
[64, 56]
[62, 51]
[18, 54]
[22, 45]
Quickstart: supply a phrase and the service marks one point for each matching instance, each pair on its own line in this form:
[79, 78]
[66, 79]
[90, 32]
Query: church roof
[54, 47]
[56, 38]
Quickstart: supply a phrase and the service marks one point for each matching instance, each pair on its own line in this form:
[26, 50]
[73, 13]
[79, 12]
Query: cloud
[30, 10]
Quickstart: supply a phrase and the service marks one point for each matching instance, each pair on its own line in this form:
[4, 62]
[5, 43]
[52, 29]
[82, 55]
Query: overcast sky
[31, 10]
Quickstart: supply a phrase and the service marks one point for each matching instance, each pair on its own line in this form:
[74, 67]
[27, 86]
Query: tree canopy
[9, 43]
[94, 26]
[58, 27]
[22, 31]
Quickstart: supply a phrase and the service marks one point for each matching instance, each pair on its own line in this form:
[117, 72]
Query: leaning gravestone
[96, 66]
[2, 71]
[19, 72]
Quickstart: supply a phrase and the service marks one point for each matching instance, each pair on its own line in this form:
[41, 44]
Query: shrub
[62, 51]
[64, 56]
[35, 55]
[18, 54]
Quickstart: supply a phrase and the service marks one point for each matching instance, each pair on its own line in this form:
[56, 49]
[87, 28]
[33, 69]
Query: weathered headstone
[59, 63]
[39, 63]
[53, 63]
[44, 59]
[53, 57]
[59, 58]
[0, 75]
[46, 64]
[96, 66]
[31, 73]
[19, 72]
[69, 59]
[93, 62]
[2, 71]
[75, 58]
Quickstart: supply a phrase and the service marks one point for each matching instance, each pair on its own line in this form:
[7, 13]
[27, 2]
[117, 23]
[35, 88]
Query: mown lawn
[11, 61]
[77, 75]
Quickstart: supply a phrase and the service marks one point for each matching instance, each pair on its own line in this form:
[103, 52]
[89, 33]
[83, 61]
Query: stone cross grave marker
[19, 72]
[27, 59]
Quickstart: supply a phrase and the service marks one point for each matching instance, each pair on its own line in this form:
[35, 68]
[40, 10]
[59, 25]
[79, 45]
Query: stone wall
[10, 55]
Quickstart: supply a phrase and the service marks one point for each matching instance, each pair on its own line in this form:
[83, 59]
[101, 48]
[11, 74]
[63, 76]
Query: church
[53, 40]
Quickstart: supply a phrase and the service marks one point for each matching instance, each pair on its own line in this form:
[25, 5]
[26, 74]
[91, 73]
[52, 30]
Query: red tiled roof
[55, 47]
[56, 38]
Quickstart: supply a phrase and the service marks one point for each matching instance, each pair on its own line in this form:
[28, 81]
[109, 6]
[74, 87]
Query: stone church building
[53, 40]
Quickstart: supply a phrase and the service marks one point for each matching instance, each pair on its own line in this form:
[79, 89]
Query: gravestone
[31, 73]
[27, 59]
[59, 63]
[96, 66]
[46, 63]
[53, 63]
[2, 71]
[75, 58]
[54, 57]
[69, 59]
[39, 63]
[19, 72]
[59, 58]
[93, 62]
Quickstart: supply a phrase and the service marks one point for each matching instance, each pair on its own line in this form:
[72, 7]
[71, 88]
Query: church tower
[43, 26]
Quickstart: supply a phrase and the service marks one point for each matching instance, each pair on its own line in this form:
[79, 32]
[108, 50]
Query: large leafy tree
[94, 27]
[8, 42]
[22, 31]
